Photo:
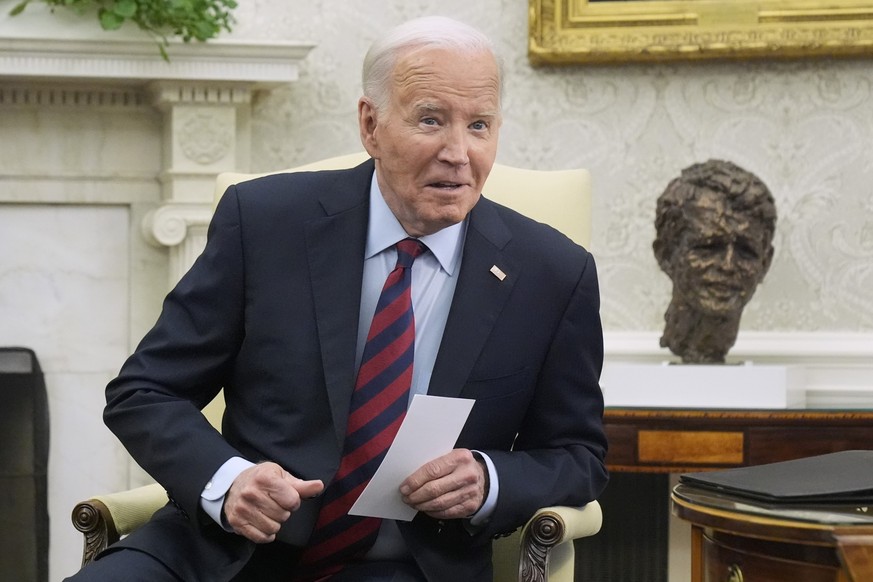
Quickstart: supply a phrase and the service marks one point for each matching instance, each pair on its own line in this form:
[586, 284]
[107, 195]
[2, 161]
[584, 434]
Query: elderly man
[715, 226]
[321, 303]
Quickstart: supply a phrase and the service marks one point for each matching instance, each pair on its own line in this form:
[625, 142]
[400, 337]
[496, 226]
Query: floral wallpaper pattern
[805, 127]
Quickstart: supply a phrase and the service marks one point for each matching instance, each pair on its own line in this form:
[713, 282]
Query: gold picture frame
[592, 32]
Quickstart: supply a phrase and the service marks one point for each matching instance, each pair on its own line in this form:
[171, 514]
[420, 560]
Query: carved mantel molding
[261, 65]
[204, 94]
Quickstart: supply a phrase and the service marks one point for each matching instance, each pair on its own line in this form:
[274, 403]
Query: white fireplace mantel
[43, 43]
[204, 92]
[259, 65]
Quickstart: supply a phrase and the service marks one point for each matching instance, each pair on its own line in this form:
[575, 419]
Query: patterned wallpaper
[805, 127]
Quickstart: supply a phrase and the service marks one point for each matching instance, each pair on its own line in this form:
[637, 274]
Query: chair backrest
[560, 198]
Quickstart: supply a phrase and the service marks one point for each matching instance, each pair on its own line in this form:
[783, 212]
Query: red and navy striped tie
[378, 406]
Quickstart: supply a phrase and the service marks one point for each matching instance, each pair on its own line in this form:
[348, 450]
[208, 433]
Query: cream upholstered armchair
[543, 549]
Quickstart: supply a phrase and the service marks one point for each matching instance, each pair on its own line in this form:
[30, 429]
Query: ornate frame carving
[595, 32]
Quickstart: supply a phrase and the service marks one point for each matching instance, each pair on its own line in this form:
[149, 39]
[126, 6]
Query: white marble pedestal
[703, 386]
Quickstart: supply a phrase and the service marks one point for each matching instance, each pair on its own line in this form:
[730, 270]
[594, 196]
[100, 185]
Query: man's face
[436, 141]
[721, 258]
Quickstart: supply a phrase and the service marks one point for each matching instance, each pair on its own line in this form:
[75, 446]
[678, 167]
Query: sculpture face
[715, 225]
[720, 258]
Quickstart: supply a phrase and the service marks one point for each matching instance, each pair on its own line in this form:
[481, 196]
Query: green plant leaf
[204, 30]
[125, 8]
[18, 8]
[110, 20]
[186, 19]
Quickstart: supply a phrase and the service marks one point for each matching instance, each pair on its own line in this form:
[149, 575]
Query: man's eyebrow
[427, 106]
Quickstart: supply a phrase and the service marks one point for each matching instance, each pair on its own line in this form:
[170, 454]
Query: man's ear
[768, 260]
[367, 124]
[662, 256]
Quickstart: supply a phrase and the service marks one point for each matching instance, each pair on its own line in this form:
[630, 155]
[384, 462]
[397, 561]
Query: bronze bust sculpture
[715, 226]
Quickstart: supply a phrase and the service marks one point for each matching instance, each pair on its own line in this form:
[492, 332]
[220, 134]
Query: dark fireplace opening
[24, 447]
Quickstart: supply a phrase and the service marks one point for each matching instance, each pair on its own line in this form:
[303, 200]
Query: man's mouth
[445, 185]
[724, 290]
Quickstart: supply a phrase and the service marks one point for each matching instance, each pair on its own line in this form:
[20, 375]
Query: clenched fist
[262, 498]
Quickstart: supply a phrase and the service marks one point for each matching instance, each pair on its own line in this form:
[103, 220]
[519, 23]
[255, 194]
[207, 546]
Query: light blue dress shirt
[434, 276]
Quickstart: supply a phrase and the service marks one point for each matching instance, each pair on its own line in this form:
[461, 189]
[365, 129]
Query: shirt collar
[384, 230]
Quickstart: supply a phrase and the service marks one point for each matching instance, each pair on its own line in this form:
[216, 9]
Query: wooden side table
[663, 440]
[735, 540]
[648, 444]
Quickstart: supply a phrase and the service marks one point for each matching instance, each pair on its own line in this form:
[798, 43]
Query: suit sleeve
[153, 406]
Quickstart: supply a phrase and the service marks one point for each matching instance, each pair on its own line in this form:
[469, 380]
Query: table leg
[856, 553]
[697, 565]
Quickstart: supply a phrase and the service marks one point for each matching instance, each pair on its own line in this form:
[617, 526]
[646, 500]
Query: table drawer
[723, 563]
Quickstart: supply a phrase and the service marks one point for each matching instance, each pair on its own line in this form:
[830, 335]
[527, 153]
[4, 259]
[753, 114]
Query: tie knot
[407, 250]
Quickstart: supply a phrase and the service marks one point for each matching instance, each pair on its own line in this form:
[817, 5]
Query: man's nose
[729, 260]
[456, 147]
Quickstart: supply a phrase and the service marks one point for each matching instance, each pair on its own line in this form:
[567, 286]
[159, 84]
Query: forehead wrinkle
[412, 74]
[417, 72]
[429, 81]
[724, 219]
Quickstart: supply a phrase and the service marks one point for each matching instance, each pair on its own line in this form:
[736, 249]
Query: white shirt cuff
[212, 496]
[484, 513]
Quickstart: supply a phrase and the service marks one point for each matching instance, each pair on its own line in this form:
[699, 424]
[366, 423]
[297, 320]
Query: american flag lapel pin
[495, 270]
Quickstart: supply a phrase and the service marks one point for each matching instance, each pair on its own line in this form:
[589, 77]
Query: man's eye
[429, 121]
[709, 248]
[747, 252]
[479, 125]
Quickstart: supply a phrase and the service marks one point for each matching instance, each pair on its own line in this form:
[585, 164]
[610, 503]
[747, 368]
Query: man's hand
[450, 487]
[262, 497]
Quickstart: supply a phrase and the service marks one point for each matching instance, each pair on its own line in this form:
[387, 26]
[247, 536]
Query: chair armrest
[104, 519]
[545, 551]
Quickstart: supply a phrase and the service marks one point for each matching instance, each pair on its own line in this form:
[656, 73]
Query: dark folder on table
[836, 478]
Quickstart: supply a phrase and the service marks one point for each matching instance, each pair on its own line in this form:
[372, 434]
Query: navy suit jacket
[269, 312]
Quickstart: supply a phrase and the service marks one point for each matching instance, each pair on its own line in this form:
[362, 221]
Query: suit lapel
[335, 250]
[479, 297]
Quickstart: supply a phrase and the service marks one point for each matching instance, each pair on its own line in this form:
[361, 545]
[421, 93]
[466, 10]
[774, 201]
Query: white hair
[428, 31]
